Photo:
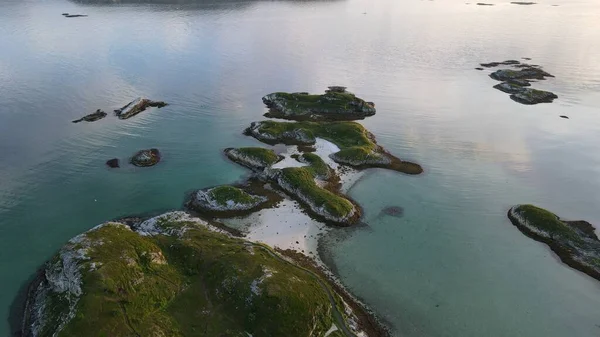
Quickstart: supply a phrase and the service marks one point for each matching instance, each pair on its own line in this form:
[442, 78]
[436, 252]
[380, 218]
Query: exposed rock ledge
[99, 114]
[136, 106]
[575, 242]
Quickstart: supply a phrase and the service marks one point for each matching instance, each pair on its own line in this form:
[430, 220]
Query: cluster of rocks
[129, 110]
[517, 81]
[143, 158]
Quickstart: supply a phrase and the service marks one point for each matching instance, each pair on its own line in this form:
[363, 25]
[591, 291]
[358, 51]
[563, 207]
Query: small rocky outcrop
[517, 81]
[136, 106]
[575, 242]
[145, 158]
[533, 96]
[225, 199]
[335, 104]
[255, 158]
[99, 114]
[495, 64]
[524, 73]
[113, 163]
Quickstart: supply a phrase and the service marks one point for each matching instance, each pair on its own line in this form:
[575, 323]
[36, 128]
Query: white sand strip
[284, 227]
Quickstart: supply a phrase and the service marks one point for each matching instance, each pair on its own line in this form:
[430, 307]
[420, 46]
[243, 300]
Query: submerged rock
[533, 96]
[523, 3]
[113, 163]
[335, 104]
[136, 106]
[175, 275]
[225, 199]
[495, 64]
[395, 211]
[74, 15]
[575, 242]
[146, 158]
[99, 114]
[484, 4]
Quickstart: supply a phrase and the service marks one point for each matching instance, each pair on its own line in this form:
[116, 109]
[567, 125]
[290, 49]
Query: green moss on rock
[357, 145]
[225, 198]
[575, 242]
[317, 165]
[300, 182]
[335, 104]
[256, 158]
[172, 276]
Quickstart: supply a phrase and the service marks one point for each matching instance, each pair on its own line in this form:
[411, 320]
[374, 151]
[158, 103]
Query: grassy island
[256, 158]
[225, 198]
[300, 183]
[575, 242]
[357, 145]
[174, 276]
[335, 104]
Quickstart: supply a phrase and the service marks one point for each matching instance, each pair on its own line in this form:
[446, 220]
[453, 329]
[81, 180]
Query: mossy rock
[226, 198]
[145, 158]
[300, 183]
[173, 276]
[317, 165]
[137, 106]
[525, 73]
[256, 158]
[530, 96]
[335, 104]
[575, 242]
[358, 147]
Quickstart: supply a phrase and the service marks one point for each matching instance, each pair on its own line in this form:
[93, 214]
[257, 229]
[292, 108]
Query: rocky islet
[516, 82]
[575, 242]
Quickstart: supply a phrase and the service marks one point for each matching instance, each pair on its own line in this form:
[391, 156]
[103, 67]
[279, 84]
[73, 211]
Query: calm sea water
[452, 266]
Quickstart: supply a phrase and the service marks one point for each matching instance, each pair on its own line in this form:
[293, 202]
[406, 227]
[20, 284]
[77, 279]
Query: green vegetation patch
[546, 221]
[357, 145]
[226, 194]
[253, 157]
[301, 181]
[318, 167]
[187, 281]
[335, 104]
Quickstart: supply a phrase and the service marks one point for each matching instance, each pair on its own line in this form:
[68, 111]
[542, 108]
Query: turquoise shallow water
[452, 266]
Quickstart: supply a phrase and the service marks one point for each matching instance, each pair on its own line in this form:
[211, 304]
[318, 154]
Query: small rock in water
[479, 68]
[74, 15]
[113, 163]
[395, 211]
[145, 158]
[563, 116]
[523, 3]
[99, 114]
[136, 106]
[65, 14]
[484, 4]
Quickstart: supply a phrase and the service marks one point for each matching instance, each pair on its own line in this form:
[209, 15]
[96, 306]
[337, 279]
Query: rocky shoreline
[153, 257]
